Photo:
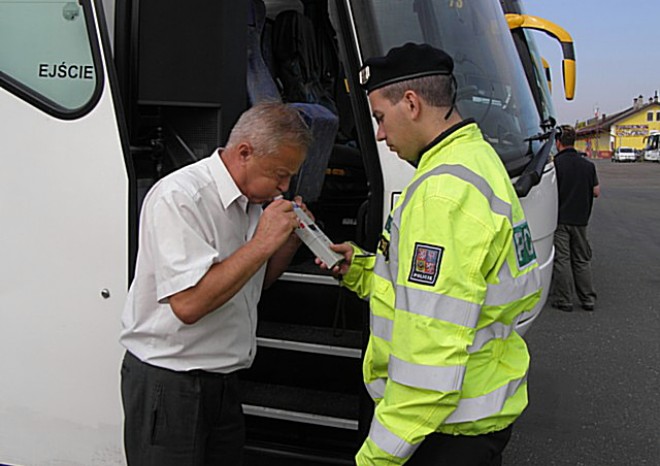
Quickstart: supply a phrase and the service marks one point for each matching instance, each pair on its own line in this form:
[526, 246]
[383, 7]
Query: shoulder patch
[425, 267]
[522, 242]
[384, 248]
[388, 224]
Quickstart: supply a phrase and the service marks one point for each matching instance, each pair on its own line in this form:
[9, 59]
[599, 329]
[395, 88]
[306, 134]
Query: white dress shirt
[191, 219]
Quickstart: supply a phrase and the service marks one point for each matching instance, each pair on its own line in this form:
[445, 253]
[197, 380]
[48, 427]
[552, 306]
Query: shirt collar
[567, 151]
[227, 187]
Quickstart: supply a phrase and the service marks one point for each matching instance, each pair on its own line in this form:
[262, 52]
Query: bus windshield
[492, 86]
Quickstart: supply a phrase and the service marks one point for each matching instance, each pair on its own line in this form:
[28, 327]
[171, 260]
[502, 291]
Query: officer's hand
[346, 250]
[276, 224]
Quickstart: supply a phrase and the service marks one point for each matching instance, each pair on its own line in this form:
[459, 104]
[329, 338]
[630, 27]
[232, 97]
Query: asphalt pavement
[594, 382]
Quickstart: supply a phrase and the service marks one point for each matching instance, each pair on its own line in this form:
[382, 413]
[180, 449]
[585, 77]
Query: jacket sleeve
[360, 274]
[443, 252]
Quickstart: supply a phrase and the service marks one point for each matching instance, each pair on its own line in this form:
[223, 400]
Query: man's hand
[299, 200]
[280, 260]
[276, 225]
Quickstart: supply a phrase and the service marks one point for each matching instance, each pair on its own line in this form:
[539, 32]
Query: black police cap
[409, 61]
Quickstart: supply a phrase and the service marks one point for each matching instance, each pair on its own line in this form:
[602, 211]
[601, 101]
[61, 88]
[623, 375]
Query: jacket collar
[444, 135]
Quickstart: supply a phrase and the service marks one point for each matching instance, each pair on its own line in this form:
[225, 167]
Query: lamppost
[597, 132]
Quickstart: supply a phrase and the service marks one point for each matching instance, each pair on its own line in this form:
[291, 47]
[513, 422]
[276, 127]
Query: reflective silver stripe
[376, 389]
[497, 205]
[493, 331]
[389, 442]
[437, 306]
[512, 289]
[381, 327]
[394, 246]
[481, 407]
[438, 378]
[382, 269]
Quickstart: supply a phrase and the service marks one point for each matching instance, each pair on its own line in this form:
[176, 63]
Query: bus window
[56, 68]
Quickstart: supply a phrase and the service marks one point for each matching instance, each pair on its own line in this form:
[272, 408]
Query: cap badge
[365, 74]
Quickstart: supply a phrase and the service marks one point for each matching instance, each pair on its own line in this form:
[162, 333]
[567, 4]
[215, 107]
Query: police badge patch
[426, 262]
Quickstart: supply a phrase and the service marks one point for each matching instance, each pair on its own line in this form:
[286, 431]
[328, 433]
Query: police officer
[454, 270]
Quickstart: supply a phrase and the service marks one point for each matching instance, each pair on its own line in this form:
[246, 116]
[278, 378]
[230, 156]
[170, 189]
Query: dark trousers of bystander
[180, 418]
[572, 265]
[462, 450]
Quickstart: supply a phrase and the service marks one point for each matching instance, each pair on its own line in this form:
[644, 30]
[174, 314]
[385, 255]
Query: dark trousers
[572, 265]
[462, 450]
[180, 418]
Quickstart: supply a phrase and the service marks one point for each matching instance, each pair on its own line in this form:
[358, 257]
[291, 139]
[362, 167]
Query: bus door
[64, 197]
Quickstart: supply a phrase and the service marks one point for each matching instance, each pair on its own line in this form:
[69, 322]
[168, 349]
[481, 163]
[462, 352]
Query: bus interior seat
[308, 68]
[274, 7]
[344, 187]
[298, 64]
[260, 83]
[323, 123]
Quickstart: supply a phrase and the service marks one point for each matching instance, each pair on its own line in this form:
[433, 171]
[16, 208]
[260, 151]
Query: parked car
[624, 154]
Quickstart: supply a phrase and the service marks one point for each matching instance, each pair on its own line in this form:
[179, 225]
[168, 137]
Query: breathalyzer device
[315, 239]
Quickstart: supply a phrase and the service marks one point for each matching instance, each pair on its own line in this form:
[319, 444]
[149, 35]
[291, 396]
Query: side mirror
[516, 21]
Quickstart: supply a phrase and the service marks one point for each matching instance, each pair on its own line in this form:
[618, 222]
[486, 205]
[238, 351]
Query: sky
[617, 49]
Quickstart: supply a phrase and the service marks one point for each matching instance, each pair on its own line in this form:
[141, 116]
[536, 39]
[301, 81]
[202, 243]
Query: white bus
[652, 149]
[98, 100]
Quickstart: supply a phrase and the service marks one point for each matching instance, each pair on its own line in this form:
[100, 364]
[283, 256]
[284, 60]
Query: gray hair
[436, 90]
[269, 126]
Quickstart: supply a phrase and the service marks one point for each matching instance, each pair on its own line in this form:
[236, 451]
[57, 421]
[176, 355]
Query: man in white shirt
[206, 250]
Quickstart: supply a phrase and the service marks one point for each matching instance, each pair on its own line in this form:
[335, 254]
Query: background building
[599, 137]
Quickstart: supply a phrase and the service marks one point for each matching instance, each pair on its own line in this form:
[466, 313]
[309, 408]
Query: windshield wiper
[533, 172]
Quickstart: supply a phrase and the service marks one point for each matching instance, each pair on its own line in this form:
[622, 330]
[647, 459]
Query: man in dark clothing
[578, 185]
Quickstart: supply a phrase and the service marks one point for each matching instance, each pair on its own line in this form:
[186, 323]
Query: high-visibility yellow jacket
[454, 271]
